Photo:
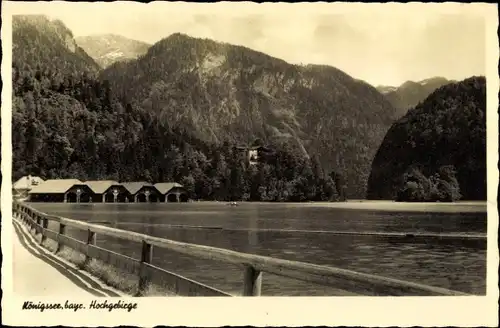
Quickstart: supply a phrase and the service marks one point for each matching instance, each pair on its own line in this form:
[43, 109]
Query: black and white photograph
[158, 151]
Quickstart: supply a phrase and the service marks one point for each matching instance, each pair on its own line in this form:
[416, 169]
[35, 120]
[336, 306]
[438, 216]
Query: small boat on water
[232, 204]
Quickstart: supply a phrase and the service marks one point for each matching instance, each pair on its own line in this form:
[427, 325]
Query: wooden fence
[253, 265]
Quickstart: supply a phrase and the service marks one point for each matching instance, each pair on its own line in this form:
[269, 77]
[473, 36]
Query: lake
[301, 232]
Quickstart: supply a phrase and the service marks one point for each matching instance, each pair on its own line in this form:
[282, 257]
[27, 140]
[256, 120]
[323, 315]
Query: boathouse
[23, 186]
[80, 193]
[116, 193]
[60, 190]
[148, 194]
[172, 192]
[141, 192]
[107, 191]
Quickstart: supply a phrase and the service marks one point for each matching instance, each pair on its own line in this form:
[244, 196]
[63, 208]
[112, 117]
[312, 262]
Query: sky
[382, 44]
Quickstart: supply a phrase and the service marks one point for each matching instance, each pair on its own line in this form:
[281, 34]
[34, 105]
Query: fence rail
[253, 265]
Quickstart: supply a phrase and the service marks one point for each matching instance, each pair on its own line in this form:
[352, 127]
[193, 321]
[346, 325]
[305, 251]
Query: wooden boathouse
[102, 190]
[172, 192]
[116, 193]
[107, 191]
[148, 194]
[59, 190]
[140, 192]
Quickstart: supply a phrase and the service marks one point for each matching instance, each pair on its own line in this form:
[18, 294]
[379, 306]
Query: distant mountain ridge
[384, 89]
[106, 49]
[38, 39]
[226, 93]
[410, 93]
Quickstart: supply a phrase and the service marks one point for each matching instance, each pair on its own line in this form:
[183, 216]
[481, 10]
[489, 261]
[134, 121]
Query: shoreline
[365, 205]
[406, 207]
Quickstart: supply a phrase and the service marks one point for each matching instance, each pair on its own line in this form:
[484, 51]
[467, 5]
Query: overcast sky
[382, 44]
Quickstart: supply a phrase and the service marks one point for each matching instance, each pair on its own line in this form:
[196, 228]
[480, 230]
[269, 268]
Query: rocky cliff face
[40, 41]
[221, 92]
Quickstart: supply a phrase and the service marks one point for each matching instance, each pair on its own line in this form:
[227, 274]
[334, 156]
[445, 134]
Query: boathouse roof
[27, 182]
[165, 187]
[55, 186]
[100, 187]
[134, 187]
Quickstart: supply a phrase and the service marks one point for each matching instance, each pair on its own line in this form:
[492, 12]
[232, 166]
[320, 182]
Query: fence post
[62, 229]
[30, 221]
[252, 283]
[38, 223]
[25, 217]
[45, 225]
[146, 257]
[91, 240]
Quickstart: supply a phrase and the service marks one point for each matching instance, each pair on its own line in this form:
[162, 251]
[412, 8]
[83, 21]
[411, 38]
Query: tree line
[442, 186]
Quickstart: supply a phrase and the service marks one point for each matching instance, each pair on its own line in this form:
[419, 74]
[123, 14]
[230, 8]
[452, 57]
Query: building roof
[27, 182]
[100, 187]
[134, 187]
[165, 187]
[56, 186]
[247, 148]
[262, 148]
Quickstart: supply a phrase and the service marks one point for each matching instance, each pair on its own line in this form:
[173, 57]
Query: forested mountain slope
[225, 93]
[66, 123]
[448, 129]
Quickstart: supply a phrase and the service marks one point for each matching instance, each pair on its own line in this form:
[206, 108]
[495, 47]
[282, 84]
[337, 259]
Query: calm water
[262, 229]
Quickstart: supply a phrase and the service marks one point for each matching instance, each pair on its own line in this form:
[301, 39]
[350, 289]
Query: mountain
[226, 93]
[384, 89]
[107, 49]
[39, 41]
[66, 123]
[411, 93]
[446, 129]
